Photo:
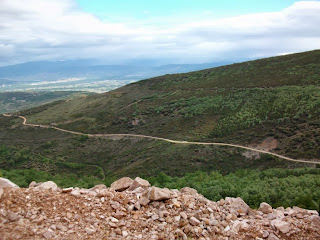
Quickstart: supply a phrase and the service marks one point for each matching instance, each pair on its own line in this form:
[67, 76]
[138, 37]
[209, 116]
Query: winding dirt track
[167, 140]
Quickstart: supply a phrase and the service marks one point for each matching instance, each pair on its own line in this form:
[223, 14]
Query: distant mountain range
[87, 71]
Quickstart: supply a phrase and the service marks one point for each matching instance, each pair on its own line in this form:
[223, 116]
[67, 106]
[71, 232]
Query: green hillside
[275, 98]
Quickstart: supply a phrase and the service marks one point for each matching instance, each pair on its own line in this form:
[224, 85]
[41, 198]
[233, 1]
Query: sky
[163, 32]
[146, 9]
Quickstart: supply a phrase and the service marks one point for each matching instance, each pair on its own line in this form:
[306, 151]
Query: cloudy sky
[167, 31]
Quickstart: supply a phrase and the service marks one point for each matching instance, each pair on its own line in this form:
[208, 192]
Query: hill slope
[14, 101]
[270, 103]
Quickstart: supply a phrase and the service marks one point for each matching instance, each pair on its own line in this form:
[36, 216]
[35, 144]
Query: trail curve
[167, 140]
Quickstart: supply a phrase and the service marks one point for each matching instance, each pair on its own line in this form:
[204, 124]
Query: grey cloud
[57, 29]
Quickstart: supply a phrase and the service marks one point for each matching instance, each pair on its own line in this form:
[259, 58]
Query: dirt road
[168, 140]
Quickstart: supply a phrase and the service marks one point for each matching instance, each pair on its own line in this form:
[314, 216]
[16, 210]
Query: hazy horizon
[179, 32]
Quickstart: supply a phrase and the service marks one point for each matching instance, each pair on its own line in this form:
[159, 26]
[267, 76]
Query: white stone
[143, 201]
[237, 204]
[236, 226]
[158, 194]
[122, 184]
[139, 182]
[188, 191]
[98, 187]
[282, 226]
[265, 234]
[89, 231]
[67, 190]
[183, 215]
[103, 193]
[125, 234]
[313, 212]
[154, 217]
[13, 216]
[315, 220]
[75, 193]
[48, 185]
[244, 226]
[265, 208]
[32, 184]
[273, 237]
[6, 183]
[48, 234]
[114, 220]
[193, 221]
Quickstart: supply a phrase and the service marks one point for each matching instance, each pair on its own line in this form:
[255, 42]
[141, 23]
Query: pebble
[193, 221]
[114, 220]
[67, 190]
[183, 215]
[75, 193]
[272, 237]
[265, 234]
[177, 218]
[13, 216]
[125, 234]
[90, 231]
[48, 234]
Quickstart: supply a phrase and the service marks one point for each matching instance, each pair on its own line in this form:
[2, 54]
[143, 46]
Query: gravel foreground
[132, 209]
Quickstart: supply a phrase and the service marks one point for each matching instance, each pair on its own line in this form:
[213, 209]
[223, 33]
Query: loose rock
[122, 184]
[158, 194]
[273, 237]
[75, 193]
[237, 205]
[139, 182]
[193, 221]
[265, 208]
[6, 183]
[32, 184]
[98, 187]
[188, 191]
[67, 190]
[183, 215]
[13, 216]
[48, 185]
[48, 234]
[282, 226]
[90, 231]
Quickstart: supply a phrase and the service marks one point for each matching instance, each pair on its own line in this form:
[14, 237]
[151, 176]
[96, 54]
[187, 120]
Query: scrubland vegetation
[244, 104]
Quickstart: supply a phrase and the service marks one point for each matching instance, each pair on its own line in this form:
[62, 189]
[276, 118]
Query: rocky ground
[132, 209]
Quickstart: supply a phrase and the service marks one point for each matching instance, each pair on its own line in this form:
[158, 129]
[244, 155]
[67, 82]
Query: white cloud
[58, 29]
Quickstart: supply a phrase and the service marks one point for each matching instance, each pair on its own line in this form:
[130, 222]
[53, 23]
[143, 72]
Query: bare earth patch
[268, 144]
